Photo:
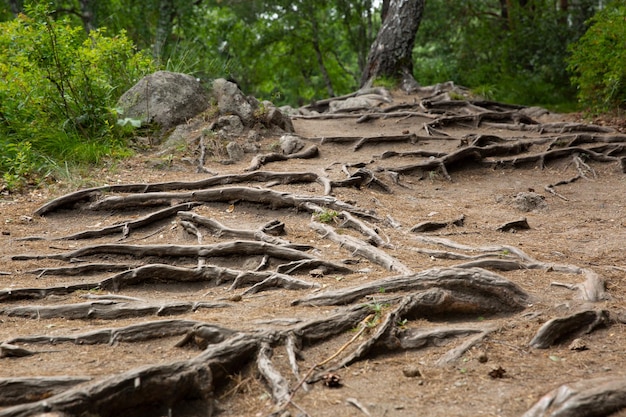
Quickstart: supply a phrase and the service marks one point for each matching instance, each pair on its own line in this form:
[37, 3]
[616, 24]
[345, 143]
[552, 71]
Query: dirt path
[577, 230]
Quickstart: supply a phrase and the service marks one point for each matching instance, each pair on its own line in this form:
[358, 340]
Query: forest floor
[581, 225]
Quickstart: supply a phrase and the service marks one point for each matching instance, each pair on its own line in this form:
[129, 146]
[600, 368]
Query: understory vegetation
[64, 67]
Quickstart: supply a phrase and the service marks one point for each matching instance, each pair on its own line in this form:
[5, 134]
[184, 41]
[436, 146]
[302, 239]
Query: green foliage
[518, 56]
[20, 164]
[57, 101]
[598, 60]
[289, 52]
[326, 216]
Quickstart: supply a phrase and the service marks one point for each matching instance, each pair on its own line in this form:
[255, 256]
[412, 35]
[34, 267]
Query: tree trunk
[17, 7]
[164, 27]
[87, 15]
[391, 53]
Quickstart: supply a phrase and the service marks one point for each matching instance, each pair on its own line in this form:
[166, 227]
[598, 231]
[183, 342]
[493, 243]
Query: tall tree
[391, 54]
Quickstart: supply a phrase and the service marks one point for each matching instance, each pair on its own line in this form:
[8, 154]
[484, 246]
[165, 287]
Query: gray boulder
[230, 100]
[229, 125]
[166, 98]
[273, 116]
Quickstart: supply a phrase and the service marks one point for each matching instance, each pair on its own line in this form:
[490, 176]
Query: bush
[598, 59]
[57, 94]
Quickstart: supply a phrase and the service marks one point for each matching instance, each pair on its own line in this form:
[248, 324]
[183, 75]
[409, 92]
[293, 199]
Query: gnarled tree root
[260, 160]
[25, 390]
[361, 248]
[588, 398]
[273, 198]
[558, 329]
[90, 194]
[491, 288]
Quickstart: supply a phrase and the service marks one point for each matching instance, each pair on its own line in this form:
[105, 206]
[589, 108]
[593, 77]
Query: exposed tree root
[82, 269]
[513, 225]
[390, 334]
[360, 248]
[475, 120]
[260, 160]
[184, 386]
[362, 178]
[560, 127]
[275, 199]
[467, 282]
[124, 228]
[556, 330]
[69, 200]
[167, 273]
[25, 390]
[133, 333]
[220, 230]
[462, 156]
[373, 237]
[588, 398]
[106, 310]
[278, 384]
[314, 266]
[238, 247]
[429, 226]
[506, 258]
[362, 141]
[373, 318]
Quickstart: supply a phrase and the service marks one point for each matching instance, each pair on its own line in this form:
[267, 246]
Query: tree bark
[17, 7]
[391, 53]
[167, 12]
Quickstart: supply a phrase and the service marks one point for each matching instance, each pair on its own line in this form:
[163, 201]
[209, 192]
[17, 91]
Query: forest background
[64, 64]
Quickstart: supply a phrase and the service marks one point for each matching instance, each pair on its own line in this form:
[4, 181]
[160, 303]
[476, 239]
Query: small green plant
[377, 310]
[597, 60]
[20, 163]
[326, 216]
[456, 96]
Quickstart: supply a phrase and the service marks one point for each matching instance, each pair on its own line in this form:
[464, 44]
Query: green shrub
[58, 90]
[598, 60]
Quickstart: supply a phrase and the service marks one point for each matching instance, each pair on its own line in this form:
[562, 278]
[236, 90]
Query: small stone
[235, 151]
[253, 136]
[482, 357]
[411, 371]
[578, 345]
[235, 298]
[529, 201]
[290, 144]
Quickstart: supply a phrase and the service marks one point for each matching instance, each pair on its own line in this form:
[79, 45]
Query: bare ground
[582, 226]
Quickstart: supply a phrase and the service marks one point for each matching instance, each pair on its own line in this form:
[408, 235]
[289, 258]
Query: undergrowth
[57, 98]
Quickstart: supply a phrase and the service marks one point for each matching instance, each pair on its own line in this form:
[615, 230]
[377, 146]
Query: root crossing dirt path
[427, 256]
